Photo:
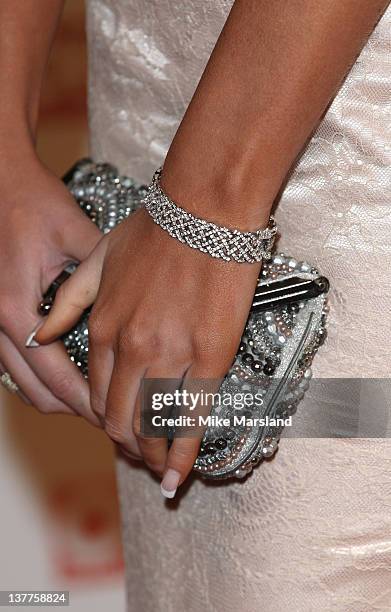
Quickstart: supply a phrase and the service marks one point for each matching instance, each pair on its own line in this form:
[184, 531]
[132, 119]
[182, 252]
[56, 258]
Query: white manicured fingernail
[31, 342]
[170, 483]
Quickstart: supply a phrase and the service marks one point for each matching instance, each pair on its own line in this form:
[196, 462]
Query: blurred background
[59, 523]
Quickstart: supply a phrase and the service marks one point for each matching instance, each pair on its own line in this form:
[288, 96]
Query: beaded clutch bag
[285, 328]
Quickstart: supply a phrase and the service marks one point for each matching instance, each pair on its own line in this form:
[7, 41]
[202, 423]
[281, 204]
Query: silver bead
[240, 473]
[268, 451]
[305, 267]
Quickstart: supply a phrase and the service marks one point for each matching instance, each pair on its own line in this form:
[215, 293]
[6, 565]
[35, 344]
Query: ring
[8, 383]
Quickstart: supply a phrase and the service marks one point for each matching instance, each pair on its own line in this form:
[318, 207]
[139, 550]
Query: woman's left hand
[161, 310]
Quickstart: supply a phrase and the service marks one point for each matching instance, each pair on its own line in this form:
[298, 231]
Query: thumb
[72, 298]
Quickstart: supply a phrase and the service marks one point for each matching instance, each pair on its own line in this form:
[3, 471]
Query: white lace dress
[310, 530]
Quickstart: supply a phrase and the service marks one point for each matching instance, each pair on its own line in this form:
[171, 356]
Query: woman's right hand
[41, 231]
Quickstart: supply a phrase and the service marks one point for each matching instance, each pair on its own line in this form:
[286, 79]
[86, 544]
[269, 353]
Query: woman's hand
[162, 310]
[41, 231]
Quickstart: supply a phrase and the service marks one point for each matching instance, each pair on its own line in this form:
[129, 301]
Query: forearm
[27, 30]
[273, 71]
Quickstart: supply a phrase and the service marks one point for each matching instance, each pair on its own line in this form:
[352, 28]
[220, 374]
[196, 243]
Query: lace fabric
[310, 529]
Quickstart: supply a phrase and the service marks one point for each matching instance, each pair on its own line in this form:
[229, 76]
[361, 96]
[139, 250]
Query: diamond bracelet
[215, 240]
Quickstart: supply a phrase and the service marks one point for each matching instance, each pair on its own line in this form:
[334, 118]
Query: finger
[125, 453]
[55, 369]
[184, 450]
[154, 449]
[52, 365]
[19, 392]
[121, 399]
[100, 370]
[72, 299]
[30, 385]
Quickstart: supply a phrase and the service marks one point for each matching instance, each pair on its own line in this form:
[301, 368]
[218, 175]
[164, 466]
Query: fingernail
[170, 483]
[31, 342]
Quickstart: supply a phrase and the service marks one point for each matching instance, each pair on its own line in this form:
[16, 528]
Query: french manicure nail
[31, 342]
[170, 483]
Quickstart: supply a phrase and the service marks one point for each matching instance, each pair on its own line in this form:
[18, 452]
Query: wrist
[20, 171]
[17, 133]
[205, 235]
[17, 151]
[225, 196]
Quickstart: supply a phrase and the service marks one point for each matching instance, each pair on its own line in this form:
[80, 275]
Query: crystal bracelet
[215, 240]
